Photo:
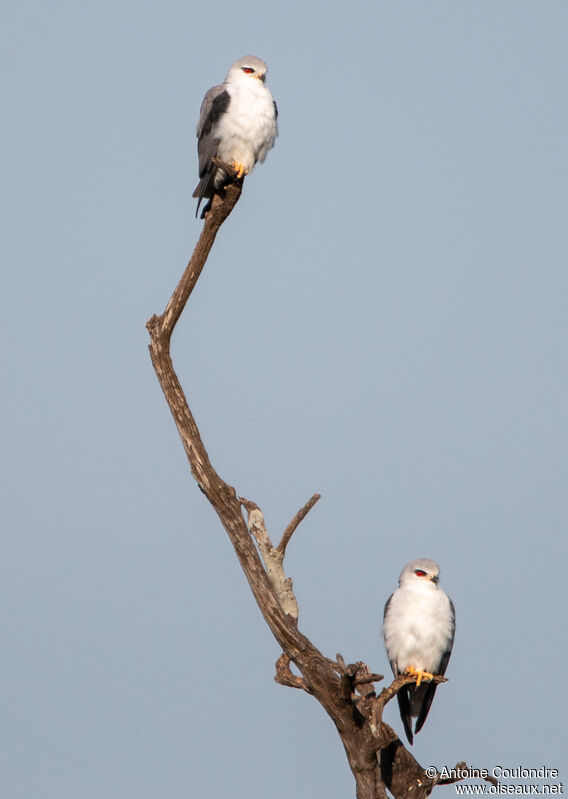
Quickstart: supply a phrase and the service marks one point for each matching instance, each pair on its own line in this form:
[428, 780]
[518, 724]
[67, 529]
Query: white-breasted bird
[237, 124]
[418, 627]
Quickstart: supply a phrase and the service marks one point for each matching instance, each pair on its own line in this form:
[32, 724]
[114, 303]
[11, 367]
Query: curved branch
[299, 517]
[222, 496]
[284, 675]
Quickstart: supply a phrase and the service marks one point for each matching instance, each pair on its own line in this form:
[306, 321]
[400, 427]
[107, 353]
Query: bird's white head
[246, 68]
[419, 571]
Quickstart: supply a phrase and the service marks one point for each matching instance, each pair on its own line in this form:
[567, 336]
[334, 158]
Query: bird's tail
[205, 187]
[405, 713]
[426, 701]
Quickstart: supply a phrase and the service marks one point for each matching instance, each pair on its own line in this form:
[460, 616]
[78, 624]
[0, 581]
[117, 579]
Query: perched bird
[237, 124]
[418, 626]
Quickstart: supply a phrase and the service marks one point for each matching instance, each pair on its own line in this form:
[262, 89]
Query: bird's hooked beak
[435, 579]
[262, 77]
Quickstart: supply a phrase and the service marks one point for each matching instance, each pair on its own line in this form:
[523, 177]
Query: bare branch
[257, 527]
[273, 560]
[359, 671]
[368, 678]
[284, 675]
[221, 495]
[340, 661]
[399, 682]
[162, 326]
[289, 531]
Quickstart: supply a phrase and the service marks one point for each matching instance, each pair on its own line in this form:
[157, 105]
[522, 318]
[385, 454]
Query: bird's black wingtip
[425, 709]
[405, 714]
[206, 208]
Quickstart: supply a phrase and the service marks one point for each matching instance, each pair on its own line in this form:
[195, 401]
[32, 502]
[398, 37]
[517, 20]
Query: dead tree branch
[273, 559]
[284, 675]
[376, 756]
[299, 517]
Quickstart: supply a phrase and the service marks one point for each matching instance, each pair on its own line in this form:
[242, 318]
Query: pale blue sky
[382, 320]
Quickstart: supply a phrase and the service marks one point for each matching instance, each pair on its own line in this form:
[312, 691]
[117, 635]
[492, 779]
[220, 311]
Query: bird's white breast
[418, 628]
[248, 129]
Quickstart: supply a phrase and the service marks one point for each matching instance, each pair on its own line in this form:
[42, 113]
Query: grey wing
[445, 659]
[214, 105]
[204, 120]
[393, 664]
[431, 688]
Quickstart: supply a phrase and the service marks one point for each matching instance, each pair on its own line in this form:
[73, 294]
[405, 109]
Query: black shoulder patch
[275, 110]
[218, 108]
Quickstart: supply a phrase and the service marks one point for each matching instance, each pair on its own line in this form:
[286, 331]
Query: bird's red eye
[420, 573]
[248, 70]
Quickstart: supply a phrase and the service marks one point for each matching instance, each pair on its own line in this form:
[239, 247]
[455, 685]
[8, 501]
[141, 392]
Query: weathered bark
[377, 758]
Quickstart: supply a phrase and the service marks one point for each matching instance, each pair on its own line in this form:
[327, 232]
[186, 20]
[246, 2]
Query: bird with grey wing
[237, 124]
[418, 627]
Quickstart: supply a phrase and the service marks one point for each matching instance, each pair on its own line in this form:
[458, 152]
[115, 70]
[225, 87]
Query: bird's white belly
[419, 635]
[415, 649]
[247, 134]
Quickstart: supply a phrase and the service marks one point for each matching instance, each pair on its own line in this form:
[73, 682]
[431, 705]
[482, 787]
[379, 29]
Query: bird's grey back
[213, 92]
[214, 105]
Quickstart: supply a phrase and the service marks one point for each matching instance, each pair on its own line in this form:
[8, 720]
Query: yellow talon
[420, 675]
[240, 169]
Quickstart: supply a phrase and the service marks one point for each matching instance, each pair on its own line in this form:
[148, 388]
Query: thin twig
[289, 531]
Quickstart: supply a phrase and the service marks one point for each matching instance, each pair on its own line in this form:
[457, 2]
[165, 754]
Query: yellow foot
[420, 675]
[240, 169]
